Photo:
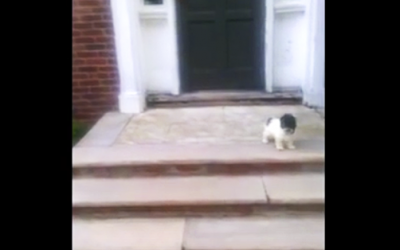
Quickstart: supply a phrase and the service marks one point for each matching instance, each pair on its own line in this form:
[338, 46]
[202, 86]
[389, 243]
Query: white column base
[128, 49]
[131, 103]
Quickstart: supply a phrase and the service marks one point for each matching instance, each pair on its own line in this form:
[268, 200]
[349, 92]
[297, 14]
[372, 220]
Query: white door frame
[128, 40]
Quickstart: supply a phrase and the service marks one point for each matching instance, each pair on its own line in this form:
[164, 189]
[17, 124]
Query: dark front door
[221, 44]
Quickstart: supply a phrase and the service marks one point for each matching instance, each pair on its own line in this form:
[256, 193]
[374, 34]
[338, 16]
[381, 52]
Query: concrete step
[198, 195]
[251, 233]
[196, 159]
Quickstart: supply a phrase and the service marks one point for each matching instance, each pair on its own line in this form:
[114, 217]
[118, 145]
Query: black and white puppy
[280, 130]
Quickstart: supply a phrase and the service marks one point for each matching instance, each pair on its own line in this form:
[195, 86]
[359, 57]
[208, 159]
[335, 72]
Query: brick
[79, 76]
[91, 18]
[89, 83]
[104, 39]
[114, 74]
[93, 32]
[76, 33]
[95, 46]
[110, 46]
[84, 40]
[79, 91]
[101, 88]
[94, 91]
[87, 54]
[90, 3]
[107, 82]
[96, 61]
[101, 10]
[109, 32]
[107, 17]
[115, 88]
[77, 47]
[102, 102]
[82, 26]
[101, 24]
[81, 10]
[107, 53]
[98, 95]
[77, 62]
[87, 69]
[112, 61]
[80, 102]
[103, 75]
[106, 68]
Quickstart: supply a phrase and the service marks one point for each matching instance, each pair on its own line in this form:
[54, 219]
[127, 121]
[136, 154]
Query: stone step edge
[196, 203]
[149, 163]
[309, 151]
[249, 209]
[198, 169]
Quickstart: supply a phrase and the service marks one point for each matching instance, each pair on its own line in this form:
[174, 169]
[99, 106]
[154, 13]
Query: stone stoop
[195, 196]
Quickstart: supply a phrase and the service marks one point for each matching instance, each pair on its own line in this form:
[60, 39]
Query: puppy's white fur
[274, 132]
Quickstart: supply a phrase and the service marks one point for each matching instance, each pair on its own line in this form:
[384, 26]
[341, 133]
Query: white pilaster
[269, 56]
[314, 87]
[128, 49]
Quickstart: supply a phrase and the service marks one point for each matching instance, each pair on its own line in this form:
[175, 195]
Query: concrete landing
[203, 125]
[206, 140]
[214, 125]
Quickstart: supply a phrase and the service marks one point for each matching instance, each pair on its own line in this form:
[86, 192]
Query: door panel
[221, 44]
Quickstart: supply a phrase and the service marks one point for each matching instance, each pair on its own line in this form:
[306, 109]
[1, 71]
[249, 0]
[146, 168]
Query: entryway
[221, 44]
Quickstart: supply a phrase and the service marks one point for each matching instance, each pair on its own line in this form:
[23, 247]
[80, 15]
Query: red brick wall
[94, 68]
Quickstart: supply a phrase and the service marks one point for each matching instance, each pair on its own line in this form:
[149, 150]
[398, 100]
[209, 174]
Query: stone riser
[224, 103]
[194, 210]
[293, 97]
[196, 169]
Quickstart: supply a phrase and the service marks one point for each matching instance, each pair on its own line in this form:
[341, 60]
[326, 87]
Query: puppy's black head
[288, 123]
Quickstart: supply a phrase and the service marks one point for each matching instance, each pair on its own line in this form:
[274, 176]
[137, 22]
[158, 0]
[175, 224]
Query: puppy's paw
[291, 146]
[280, 148]
[265, 140]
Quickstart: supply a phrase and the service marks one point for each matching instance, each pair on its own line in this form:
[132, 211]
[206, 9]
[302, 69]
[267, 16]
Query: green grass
[78, 131]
